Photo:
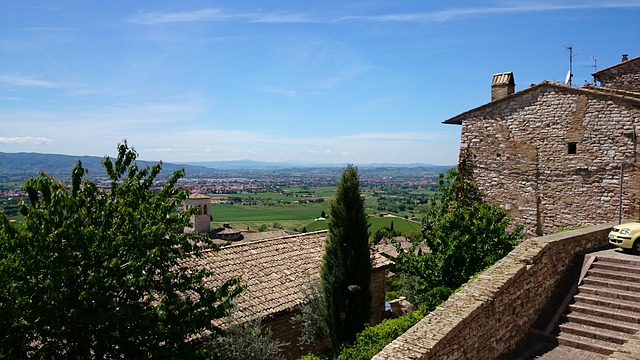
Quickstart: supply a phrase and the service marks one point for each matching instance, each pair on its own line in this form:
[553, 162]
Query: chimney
[502, 86]
[625, 57]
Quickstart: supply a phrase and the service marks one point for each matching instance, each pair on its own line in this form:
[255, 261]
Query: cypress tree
[346, 265]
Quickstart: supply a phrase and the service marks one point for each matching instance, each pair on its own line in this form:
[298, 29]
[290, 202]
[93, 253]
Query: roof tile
[275, 271]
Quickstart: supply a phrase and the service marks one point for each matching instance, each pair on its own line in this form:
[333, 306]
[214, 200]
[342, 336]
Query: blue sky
[315, 81]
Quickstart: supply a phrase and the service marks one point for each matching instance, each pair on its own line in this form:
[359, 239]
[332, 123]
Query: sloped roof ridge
[622, 63]
[611, 91]
[620, 94]
[254, 242]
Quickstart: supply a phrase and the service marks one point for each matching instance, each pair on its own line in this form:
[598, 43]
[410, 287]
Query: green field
[295, 216]
[283, 210]
[406, 227]
[290, 216]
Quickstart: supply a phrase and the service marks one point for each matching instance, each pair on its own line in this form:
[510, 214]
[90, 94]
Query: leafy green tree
[464, 234]
[95, 273]
[346, 264]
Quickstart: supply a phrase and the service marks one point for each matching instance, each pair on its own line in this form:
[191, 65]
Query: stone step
[613, 275]
[626, 261]
[589, 344]
[604, 323]
[594, 332]
[616, 267]
[561, 352]
[605, 312]
[604, 292]
[613, 284]
[609, 302]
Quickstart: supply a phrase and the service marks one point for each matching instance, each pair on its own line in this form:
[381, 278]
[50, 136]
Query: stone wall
[552, 156]
[493, 313]
[377, 287]
[288, 334]
[625, 77]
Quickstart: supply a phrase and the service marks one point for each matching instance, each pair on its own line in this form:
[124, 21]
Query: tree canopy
[464, 234]
[346, 265]
[96, 273]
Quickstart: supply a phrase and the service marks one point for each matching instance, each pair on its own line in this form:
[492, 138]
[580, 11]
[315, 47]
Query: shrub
[311, 319]
[247, 341]
[373, 339]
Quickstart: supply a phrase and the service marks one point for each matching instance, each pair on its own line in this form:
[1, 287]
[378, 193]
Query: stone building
[201, 222]
[555, 155]
[278, 274]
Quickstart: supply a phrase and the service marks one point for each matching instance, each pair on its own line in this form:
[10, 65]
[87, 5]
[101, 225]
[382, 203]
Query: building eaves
[629, 96]
[618, 65]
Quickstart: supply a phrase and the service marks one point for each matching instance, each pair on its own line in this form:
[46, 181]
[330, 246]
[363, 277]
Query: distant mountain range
[251, 164]
[21, 165]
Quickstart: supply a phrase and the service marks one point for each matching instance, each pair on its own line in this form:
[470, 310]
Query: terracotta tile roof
[275, 271]
[265, 235]
[387, 247]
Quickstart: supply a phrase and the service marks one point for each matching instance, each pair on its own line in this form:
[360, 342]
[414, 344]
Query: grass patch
[404, 226]
[289, 216]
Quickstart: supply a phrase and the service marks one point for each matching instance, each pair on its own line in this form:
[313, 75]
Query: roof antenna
[570, 73]
[595, 68]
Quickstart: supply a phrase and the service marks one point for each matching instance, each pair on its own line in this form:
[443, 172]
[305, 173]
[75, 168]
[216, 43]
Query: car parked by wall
[626, 236]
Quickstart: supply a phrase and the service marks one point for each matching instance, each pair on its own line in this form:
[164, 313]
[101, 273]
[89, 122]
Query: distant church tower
[202, 222]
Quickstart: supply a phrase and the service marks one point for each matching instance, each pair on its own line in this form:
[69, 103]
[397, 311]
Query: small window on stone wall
[572, 147]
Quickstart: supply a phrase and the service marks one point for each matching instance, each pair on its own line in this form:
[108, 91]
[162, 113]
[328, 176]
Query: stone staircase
[605, 312]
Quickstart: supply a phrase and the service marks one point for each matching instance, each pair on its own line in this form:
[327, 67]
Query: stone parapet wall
[524, 160]
[493, 313]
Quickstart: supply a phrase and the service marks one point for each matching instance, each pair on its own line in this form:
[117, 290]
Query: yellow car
[626, 236]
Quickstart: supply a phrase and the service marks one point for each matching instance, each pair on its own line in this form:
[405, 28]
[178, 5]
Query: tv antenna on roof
[570, 73]
[594, 66]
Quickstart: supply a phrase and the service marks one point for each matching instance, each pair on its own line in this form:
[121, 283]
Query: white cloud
[419, 136]
[154, 18]
[279, 91]
[28, 81]
[24, 140]
[209, 14]
[286, 17]
[465, 12]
